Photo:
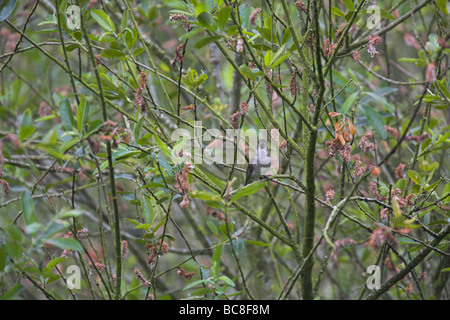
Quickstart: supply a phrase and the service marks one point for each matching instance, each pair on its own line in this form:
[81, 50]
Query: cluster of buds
[182, 184]
[380, 236]
[254, 16]
[346, 242]
[124, 249]
[110, 132]
[344, 130]
[178, 56]
[235, 117]
[301, 7]
[328, 48]
[139, 100]
[155, 250]
[144, 282]
[183, 273]
[293, 84]
[367, 146]
[4, 183]
[181, 17]
[373, 40]
[215, 213]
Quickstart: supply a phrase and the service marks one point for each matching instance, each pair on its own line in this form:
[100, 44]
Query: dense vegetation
[98, 192]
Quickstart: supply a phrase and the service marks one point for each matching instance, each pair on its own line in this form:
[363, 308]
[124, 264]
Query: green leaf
[124, 20]
[380, 99]
[82, 114]
[349, 4]
[66, 114]
[3, 257]
[54, 262]
[147, 210]
[125, 154]
[248, 190]
[227, 280]
[204, 41]
[401, 184]
[112, 53]
[6, 8]
[71, 244]
[200, 79]
[14, 241]
[337, 12]
[245, 70]
[207, 21]
[244, 13]
[268, 58]
[27, 204]
[103, 20]
[222, 17]
[279, 60]
[415, 177]
[162, 146]
[431, 98]
[213, 228]
[375, 120]
[257, 243]
[66, 214]
[349, 102]
[143, 226]
[194, 283]
[441, 85]
[408, 60]
[32, 228]
[442, 4]
[385, 14]
[26, 131]
[215, 261]
[11, 293]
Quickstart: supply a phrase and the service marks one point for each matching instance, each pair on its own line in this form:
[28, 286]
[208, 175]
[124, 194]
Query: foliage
[94, 177]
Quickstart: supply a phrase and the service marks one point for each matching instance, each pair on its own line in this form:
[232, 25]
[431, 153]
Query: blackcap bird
[259, 163]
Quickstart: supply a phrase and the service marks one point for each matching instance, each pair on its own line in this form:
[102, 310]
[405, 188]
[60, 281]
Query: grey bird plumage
[259, 161]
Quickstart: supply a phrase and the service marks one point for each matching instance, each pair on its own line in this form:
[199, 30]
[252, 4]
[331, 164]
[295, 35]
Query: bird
[259, 161]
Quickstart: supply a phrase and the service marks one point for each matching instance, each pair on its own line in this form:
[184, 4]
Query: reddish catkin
[330, 195]
[356, 56]
[240, 45]
[430, 74]
[394, 132]
[293, 84]
[13, 138]
[373, 41]
[81, 232]
[358, 169]
[185, 202]
[141, 278]
[215, 213]
[235, 119]
[399, 171]
[183, 273]
[243, 107]
[381, 235]
[339, 244]
[254, 16]
[182, 179]
[6, 187]
[181, 17]
[124, 249]
[328, 48]
[301, 7]
[139, 100]
[178, 56]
